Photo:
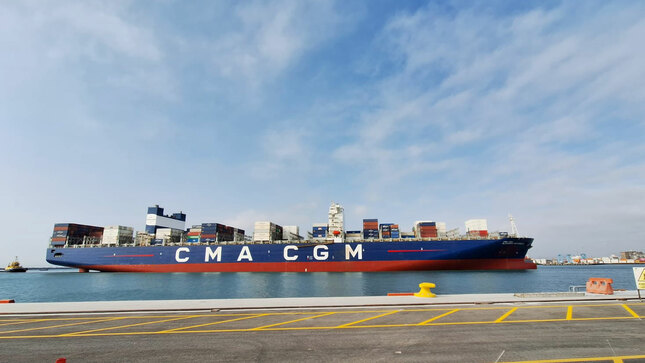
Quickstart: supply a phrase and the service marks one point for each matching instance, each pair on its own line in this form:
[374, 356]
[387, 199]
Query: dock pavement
[539, 327]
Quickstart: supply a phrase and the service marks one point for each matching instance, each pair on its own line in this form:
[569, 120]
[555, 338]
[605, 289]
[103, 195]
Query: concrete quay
[300, 302]
[546, 327]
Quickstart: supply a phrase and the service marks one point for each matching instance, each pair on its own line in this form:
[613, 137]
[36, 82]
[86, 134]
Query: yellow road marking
[438, 317]
[501, 318]
[278, 326]
[217, 322]
[127, 326]
[23, 322]
[60, 326]
[590, 359]
[292, 321]
[629, 310]
[370, 318]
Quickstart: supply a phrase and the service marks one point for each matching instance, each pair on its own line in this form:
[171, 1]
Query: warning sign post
[639, 277]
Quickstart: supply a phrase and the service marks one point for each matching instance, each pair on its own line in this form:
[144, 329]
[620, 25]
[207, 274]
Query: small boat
[15, 267]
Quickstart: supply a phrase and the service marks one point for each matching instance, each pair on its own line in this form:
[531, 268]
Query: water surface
[38, 286]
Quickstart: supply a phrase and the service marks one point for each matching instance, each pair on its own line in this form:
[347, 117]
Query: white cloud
[271, 37]
[528, 100]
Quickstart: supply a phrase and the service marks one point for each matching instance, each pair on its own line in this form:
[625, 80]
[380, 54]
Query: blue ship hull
[462, 254]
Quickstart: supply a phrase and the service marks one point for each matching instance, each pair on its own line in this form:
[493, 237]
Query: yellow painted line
[605, 318]
[60, 326]
[23, 322]
[438, 317]
[128, 326]
[370, 318]
[569, 312]
[501, 318]
[292, 321]
[217, 322]
[629, 310]
[589, 359]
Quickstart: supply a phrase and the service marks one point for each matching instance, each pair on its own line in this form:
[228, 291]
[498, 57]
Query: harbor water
[69, 285]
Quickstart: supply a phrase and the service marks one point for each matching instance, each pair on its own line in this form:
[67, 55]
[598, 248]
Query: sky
[235, 112]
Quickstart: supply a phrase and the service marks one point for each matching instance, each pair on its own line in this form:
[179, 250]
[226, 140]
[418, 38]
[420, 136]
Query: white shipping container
[476, 225]
[441, 227]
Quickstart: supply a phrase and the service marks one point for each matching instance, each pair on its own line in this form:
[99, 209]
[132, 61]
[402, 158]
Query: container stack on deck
[370, 228]
[194, 234]
[425, 229]
[117, 235]
[76, 234]
[208, 232]
[267, 231]
[477, 227]
[385, 230]
[394, 231]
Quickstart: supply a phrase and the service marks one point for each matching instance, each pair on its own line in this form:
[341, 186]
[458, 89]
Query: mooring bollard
[425, 290]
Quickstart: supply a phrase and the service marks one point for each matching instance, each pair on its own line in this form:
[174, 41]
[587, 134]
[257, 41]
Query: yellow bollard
[425, 290]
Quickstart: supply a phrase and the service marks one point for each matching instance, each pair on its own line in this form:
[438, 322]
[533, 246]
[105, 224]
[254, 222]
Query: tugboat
[15, 267]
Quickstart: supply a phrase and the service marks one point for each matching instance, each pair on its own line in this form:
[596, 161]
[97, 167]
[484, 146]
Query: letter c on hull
[286, 253]
[180, 250]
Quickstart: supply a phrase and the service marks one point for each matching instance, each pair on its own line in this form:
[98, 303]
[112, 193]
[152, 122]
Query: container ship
[167, 246]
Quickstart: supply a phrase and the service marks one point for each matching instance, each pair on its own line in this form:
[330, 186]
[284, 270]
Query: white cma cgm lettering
[285, 253]
[321, 256]
[211, 255]
[358, 251]
[245, 254]
[180, 250]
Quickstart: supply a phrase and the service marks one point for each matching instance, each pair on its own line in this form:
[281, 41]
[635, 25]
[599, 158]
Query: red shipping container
[193, 233]
[208, 235]
[483, 233]
[428, 235]
[60, 228]
[59, 239]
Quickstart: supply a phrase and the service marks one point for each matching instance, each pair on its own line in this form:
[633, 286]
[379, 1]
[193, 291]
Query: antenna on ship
[514, 231]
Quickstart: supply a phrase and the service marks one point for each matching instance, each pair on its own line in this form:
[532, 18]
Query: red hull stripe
[130, 256]
[344, 266]
[393, 251]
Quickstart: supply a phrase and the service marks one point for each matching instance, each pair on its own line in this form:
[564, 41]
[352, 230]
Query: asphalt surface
[512, 332]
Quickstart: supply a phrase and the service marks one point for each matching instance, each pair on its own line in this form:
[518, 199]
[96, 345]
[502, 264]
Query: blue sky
[241, 111]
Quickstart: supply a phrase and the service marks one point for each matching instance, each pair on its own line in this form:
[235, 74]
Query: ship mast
[514, 231]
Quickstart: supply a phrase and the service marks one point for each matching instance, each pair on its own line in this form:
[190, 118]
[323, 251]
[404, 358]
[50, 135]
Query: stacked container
[113, 235]
[267, 231]
[75, 234]
[194, 234]
[319, 230]
[394, 231]
[426, 229]
[353, 235]
[477, 227]
[165, 235]
[385, 229]
[208, 233]
[370, 228]
[238, 234]
[225, 233]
